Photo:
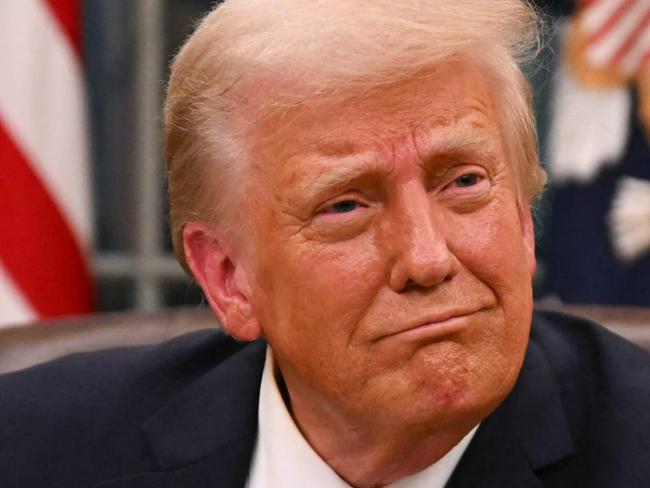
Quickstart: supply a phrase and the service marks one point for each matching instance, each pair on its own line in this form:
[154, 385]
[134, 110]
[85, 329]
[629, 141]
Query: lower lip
[434, 330]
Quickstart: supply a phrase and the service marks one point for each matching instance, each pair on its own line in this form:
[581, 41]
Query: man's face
[391, 266]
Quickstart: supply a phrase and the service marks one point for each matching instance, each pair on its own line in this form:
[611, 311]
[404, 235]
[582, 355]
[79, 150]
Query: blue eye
[468, 179]
[343, 206]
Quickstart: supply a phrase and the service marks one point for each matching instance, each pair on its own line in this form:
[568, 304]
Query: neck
[369, 454]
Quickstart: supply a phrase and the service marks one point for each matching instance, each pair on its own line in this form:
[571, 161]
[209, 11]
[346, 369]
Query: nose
[422, 257]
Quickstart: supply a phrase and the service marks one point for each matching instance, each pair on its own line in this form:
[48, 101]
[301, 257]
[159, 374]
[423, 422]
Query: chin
[465, 400]
[458, 410]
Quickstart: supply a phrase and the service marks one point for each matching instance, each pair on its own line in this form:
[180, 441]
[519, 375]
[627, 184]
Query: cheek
[491, 245]
[309, 284]
[493, 250]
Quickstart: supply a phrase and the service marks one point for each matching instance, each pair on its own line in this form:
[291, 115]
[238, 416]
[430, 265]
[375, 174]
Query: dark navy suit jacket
[184, 414]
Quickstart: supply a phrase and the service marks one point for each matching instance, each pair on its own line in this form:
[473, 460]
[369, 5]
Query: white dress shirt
[284, 459]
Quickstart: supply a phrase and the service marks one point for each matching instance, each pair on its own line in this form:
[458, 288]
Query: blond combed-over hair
[324, 49]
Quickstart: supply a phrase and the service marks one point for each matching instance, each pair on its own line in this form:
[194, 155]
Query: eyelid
[465, 169]
[342, 198]
[331, 207]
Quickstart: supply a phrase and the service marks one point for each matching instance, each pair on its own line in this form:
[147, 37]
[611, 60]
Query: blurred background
[83, 217]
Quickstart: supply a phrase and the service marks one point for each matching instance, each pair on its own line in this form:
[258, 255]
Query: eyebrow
[458, 139]
[346, 165]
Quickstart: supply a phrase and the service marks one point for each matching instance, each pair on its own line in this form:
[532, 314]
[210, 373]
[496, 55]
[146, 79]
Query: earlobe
[223, 280]
[528, 235]
[242, 324]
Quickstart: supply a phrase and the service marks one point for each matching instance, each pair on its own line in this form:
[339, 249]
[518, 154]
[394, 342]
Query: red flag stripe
[632, 38]
[611, 21]
[68, 15]
[37, 246]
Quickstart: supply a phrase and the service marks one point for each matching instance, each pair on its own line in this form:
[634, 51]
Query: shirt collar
[284, 458]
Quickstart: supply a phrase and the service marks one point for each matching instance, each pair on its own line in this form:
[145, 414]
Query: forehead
[448, 105]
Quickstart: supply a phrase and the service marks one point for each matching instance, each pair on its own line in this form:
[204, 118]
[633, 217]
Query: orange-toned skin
[401, 322]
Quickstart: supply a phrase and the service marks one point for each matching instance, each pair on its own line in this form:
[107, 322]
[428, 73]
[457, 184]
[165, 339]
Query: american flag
[45, 208]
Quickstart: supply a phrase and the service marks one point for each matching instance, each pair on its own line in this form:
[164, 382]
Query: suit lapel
[494, 458]
[526, 433]
[206, 435]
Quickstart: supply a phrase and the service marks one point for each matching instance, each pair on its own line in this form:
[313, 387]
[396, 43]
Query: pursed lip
[438, 324]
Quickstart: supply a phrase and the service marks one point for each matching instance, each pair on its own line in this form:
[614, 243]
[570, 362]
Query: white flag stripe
[602, 51]
[14, 307]
[598, 13]
[46, 114]
[632, 60]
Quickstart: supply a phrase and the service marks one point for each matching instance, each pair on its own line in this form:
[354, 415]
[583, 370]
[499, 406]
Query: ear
[528, 235]
[223, 278]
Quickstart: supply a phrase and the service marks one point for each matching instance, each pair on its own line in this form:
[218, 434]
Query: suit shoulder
[107, 367]
[579, 348]
[76, 400]
[604, 385]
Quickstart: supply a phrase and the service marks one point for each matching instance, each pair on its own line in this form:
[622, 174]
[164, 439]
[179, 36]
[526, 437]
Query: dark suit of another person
[184, 414]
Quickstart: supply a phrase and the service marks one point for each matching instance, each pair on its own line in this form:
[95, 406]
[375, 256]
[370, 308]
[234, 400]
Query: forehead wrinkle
[337, 148]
